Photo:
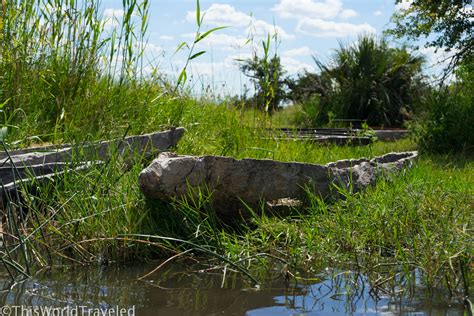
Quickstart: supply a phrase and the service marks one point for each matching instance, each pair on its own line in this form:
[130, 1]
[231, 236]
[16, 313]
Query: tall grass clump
[67, 69]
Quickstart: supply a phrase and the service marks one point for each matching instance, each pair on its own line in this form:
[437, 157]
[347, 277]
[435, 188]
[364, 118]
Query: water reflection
[350, 294]
[181, 290]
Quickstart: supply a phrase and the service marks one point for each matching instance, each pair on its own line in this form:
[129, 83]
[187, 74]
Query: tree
[370, 81]
[450, 23]
[268, 76]
[308, 85]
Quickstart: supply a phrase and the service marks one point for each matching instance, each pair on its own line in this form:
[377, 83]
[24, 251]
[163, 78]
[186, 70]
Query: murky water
[181, 290]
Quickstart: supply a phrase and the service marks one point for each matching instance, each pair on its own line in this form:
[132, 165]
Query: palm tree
[372, 81]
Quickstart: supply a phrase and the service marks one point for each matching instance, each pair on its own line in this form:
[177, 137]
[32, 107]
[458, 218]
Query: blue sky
[305, 28]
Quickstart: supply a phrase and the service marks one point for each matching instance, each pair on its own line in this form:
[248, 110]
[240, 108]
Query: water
[187, 290]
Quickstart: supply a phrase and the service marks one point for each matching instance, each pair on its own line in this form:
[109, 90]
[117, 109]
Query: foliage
[310, 92]
[68, 72]
[307, 85]
[371, 81]
[450, 23]
[267, 74]
[197, 38]
[307, 113]
[420, 219]
[52, 86]
[448, 122]
[63, 68]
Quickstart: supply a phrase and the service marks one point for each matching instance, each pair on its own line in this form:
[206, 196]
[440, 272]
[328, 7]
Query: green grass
[421, 219]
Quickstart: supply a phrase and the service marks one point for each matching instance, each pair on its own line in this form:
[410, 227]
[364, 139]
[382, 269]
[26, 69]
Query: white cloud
[166, 37]
[261, 29]
[221, 15]
[227, 15]
[300, 51]
[205, 68]
[153, 49]
[378, 13]
[436, 61]
[225, 40]
[112, 17]
[288, 59]
[220, 40]
[348, 13]
[294, 66]
[322, 28]
[435, 58]
[113, 13]
[110, 24]
[308, 8]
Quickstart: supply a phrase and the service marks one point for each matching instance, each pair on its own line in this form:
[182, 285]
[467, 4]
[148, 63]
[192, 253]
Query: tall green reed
[64, 64]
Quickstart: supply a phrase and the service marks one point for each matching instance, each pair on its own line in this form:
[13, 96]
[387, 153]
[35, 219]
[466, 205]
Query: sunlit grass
[56, 87]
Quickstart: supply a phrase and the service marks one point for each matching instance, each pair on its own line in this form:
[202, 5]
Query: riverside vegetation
[63, 78]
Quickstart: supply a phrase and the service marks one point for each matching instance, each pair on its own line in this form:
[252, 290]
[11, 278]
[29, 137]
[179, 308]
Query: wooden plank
[32, 166]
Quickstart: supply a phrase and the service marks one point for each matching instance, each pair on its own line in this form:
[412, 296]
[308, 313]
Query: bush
[448, 125]
[307, 113]
[367, 80]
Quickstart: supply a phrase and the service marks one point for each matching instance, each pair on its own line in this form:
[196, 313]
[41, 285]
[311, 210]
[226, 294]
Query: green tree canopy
[307, 85]
[446, 24]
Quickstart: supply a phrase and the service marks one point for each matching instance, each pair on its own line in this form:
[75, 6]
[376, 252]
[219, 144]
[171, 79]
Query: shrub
[368, 80]
[267, 74]
[307, 113]
[447, 125]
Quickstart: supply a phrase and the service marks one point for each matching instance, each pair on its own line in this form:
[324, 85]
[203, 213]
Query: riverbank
[420, 220]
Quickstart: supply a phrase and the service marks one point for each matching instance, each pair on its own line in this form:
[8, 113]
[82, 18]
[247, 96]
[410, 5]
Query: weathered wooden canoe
[33, 165]
[233, 183]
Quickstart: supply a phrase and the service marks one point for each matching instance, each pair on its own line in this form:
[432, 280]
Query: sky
[305, 28]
